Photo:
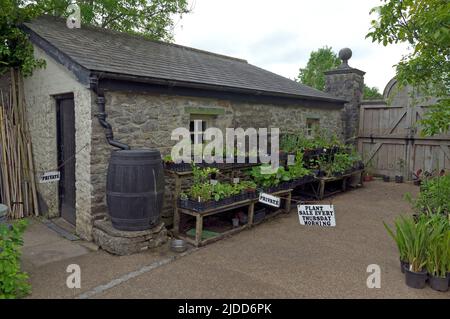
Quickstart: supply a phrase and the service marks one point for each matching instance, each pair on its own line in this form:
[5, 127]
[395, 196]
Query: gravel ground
[277, 259]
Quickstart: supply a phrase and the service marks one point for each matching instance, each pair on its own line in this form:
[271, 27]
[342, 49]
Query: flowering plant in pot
[438, 252]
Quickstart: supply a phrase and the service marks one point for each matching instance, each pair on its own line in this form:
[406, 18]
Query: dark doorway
[66, 156]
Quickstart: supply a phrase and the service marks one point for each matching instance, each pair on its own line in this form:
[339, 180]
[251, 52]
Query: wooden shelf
[249, 203]
[319, 191]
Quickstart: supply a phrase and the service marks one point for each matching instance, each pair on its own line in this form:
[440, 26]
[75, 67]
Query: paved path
[278, 259]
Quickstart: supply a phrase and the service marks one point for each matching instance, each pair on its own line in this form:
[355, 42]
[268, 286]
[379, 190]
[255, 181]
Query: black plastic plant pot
[178, 167]
[416, 280]
[386, 178]
[439, 283]
[398, 179]
[403, 266]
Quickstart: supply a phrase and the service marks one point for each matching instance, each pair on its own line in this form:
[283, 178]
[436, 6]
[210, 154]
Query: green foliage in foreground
[423, 243]
[434, 196]
[13, 282]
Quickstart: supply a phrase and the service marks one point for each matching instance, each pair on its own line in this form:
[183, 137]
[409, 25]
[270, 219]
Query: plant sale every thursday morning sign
[317, 215]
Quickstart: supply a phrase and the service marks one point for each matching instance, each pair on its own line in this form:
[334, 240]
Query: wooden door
[66, 157]
[391, 143]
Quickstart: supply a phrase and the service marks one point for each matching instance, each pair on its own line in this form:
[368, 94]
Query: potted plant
[401, 166]
[438, 253]
[416, 236]
[399, 239]
[368, 173]
[170, 164]
[417, 177]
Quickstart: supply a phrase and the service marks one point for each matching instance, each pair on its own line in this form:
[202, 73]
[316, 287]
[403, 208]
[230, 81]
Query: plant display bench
[319, 187]
[200, 215]
[180, 177]
[286, 197]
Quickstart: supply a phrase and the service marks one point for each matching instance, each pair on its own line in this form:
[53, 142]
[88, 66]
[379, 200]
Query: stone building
[145, 89]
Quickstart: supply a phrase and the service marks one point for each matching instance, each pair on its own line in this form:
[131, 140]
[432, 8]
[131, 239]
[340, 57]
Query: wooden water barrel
[135, 189]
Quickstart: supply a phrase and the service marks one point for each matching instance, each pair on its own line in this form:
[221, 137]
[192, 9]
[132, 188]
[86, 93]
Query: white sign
[50, 177]
[269, 200]
[319, 215]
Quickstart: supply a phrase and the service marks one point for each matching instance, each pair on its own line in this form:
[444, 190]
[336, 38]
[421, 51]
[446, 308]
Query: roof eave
[81, 73]
[220, 88]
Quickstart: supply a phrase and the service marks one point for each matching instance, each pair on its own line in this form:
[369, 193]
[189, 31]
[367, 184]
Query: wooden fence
[390, 141]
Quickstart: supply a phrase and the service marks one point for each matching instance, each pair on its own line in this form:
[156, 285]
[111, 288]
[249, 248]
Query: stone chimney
[347, 83]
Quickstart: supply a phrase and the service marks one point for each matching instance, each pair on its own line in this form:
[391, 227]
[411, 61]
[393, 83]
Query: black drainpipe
[102, 116]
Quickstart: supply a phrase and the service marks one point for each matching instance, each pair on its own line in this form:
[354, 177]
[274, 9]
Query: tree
[371, 93]
[319, 61]
[150, 18]
[15, 49]
[425, 26]
[322, 60]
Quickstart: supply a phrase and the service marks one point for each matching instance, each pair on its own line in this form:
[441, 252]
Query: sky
[280, 35]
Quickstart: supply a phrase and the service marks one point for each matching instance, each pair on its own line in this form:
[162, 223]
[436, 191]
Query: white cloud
[279, 35]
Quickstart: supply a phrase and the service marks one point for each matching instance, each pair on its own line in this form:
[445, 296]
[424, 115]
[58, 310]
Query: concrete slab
[43, 246]
[40, 255]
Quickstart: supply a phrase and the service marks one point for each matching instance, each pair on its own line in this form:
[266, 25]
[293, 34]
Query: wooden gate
[390, 141]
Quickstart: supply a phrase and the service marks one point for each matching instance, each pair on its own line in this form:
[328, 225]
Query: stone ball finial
[345, 54]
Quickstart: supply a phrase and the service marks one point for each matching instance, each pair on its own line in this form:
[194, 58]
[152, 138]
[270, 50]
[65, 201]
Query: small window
[204, 122]
[312, 126]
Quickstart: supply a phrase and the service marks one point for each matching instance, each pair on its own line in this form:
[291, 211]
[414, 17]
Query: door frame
[60, 156]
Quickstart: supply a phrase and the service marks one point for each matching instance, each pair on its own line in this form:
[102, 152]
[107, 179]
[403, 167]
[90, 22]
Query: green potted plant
[368, 173]
[400, 241]
[438, 253]
[416, 237]
[401, 166]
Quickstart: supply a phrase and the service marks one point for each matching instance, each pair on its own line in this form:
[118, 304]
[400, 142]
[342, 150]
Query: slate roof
[101, 50]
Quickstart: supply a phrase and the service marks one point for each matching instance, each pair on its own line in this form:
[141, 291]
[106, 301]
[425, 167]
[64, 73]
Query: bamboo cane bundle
[17, 177]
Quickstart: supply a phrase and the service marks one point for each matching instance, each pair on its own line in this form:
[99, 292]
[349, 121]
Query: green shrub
[434, 196]
[13, 282]
[398, 237]
[438, 251]
[412, 240]
[424, 243]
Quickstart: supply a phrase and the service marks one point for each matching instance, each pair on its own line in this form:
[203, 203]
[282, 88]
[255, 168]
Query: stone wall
[40, 88]
[347, 83]
[140, 120]
[147, 120]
